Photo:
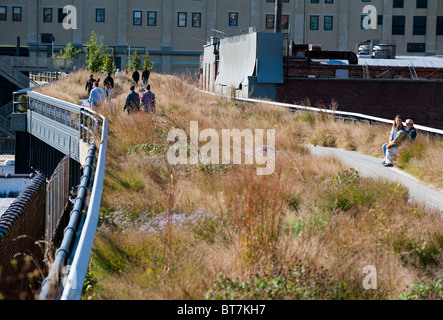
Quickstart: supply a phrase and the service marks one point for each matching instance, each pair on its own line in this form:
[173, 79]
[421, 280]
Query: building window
[46, 38]
[398, 4]
[99, 15]
[270, 21]
[422, 4]
[16, 13]
[315, 1]
[398, 25]
[182, 19]
[329, 1]
[61, 15]
[47, 15]
[285, 22]
[365, 0]
[273, 1]
[439, 26]
[3, 13]
[416, 47]
[419, 26]
[196, 19]
[152, 18]
[233, 19]
[328, 22]
[313, 22]
[380, 19]
[137, 18]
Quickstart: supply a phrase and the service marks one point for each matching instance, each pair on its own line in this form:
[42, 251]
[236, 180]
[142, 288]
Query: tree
[96, 52]
[70, 52]
[135, 63]
[108, 64]
[147, 64]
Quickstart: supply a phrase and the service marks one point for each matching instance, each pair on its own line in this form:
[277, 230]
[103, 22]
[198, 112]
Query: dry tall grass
[220, 231]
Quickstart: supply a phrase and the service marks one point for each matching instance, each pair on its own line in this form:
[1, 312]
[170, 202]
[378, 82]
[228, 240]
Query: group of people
[399, 134]
[96, 94]
[145, 77]
[145, 101]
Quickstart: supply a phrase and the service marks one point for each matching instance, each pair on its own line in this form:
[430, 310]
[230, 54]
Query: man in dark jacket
[145, 77]
[90, 83]
[410, 129]
[136, 76]
[132, 103]
[109, 85]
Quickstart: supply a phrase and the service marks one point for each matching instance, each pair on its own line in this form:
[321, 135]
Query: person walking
[145, 77]
[142, 90]
[109, 85]
[132, 103]
[136, 77]
[410, 130]
[90, 83]
[148, 100]
[397, 137]
[96, 96]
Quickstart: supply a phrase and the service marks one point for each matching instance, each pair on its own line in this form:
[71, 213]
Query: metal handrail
[51, 284]
[31, 63]
[81, 239]
[15, 74]
[354, 115]
[76, 277]
[336, 113]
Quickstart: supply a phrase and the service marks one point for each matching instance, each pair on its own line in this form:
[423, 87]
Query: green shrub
[235, 104]
[348, 190]
[425, 252]
[422, 291]
[212, 168]
[324, 139]
[415, 150]
[307, 116]
[110, 258]
[147, 148]
[300, 284]
[308, 223]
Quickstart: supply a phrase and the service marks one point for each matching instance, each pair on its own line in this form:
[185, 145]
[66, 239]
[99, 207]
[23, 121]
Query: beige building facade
[175, 31]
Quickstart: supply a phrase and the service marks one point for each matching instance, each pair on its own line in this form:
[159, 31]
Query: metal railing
[13, 74]
[44, 77]
[352, 116]
[57, 195]
[68, 270]
[52, 286]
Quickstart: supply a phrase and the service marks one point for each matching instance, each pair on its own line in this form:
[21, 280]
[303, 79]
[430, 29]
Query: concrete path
[84, 103]
[372, 167]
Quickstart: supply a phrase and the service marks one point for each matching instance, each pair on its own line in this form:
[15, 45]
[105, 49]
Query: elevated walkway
[12, 68]
[39, 64]
[12, 74]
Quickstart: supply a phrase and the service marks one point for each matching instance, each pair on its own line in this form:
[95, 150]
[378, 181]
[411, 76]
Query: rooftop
[403, 61]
